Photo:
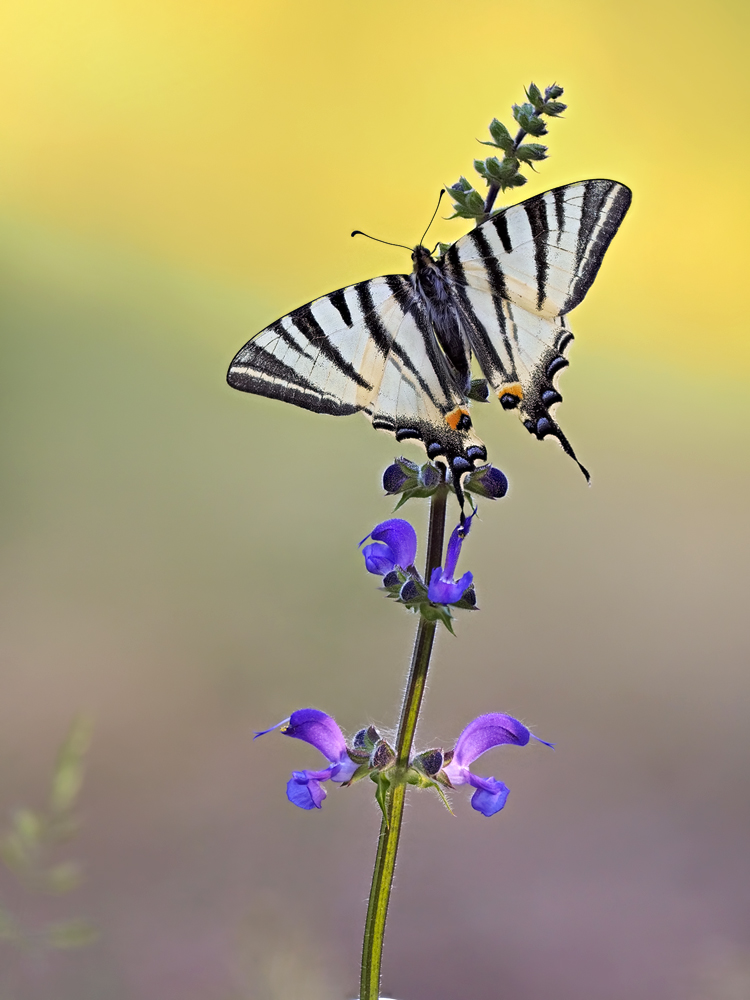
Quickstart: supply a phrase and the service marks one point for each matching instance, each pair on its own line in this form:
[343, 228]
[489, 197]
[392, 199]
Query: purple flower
[488, 482]
[304, 788]
[443, 589]
[394, 545]
[484, 733]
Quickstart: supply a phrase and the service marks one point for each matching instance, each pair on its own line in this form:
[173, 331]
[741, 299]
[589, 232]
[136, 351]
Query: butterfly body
[398, 348]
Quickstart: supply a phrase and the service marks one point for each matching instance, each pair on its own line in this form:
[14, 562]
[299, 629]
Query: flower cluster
[391, 554]
[412, 480]
[371, 756]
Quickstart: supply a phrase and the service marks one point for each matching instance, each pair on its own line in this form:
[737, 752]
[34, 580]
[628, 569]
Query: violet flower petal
[305, 790]
[455, 542]
[447, 591]
[379, 558]
[400, 537]
[320, 731]
[485, 732]
[490, 795]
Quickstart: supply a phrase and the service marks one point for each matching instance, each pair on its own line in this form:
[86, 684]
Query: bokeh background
[180, 560]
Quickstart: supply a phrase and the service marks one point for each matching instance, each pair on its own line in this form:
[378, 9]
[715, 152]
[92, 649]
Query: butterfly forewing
[368, 347]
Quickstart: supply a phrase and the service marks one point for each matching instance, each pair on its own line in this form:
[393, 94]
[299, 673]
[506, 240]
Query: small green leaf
[29, 826]
[71, 934]
[15, 853]
[63, 877]
[68, 776]
[381, 795]
[535, 96]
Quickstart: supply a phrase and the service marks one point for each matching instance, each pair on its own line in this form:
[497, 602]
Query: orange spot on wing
[454, 416]
[512, 389]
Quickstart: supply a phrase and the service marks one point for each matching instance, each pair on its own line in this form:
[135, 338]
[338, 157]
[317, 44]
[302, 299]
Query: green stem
[390, 827]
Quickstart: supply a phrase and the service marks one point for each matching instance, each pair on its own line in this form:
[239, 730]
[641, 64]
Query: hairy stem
[390, 827]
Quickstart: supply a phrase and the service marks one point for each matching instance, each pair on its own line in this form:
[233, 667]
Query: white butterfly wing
[516, 276]
[365, 348]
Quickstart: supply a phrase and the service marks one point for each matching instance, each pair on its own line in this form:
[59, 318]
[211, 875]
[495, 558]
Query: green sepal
[467, 203]
[443, 797]
[437, 613]
[466, 605]
[429, 762]
[358, 756]
[501, 136]
[497, 172]
[381, 795]
[362, 771]
[534, 95]
[531, 151]
[552, 92]
[416, 491]
[554, 108]
[441, 777]
[524, 115]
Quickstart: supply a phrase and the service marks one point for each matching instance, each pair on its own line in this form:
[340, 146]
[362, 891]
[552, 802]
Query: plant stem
[494, 189]
[390, 827]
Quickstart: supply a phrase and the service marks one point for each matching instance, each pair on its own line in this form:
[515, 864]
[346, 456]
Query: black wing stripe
[308, 326]
[559, 195]
[278, 329]
[536, 213]
[404, 296]
[603, 209]
[370, 316]
[501, 226]
[339, 303]
[495, 274]
[253, 372]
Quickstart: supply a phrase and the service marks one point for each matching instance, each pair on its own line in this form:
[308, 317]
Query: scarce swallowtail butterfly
[399, 348]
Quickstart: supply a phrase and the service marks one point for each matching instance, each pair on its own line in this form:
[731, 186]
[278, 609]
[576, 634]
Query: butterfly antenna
[440, 198]
[358, 232]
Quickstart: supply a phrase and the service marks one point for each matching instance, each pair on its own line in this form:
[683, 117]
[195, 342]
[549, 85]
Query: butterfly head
[421, 257]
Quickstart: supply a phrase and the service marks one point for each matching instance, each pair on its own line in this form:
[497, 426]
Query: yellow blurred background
[181, 561]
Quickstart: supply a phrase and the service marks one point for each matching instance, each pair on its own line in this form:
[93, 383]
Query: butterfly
[399, 348]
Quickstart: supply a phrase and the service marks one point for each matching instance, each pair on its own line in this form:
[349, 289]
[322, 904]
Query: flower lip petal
[320, 731]
[485, 732]
[304, 791]
[490, 795]
[401, 539]
[379, 558]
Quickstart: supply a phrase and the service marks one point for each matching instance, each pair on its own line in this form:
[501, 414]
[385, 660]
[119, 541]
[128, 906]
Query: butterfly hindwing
[515, 278]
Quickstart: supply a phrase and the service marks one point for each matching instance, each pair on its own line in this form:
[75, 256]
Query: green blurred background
[180, 560]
